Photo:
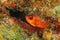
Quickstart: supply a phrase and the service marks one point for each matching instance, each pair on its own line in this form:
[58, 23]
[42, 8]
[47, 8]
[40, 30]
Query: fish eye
[31, 17]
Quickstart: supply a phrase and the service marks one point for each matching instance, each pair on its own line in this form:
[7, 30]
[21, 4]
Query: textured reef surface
[29, 19]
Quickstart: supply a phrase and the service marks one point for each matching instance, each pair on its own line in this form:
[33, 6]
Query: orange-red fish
[36, 21]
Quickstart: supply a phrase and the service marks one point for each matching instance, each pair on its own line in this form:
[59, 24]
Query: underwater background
[14, 26]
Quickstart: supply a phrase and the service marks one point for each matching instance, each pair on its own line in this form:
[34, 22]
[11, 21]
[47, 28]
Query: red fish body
[36, 21]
